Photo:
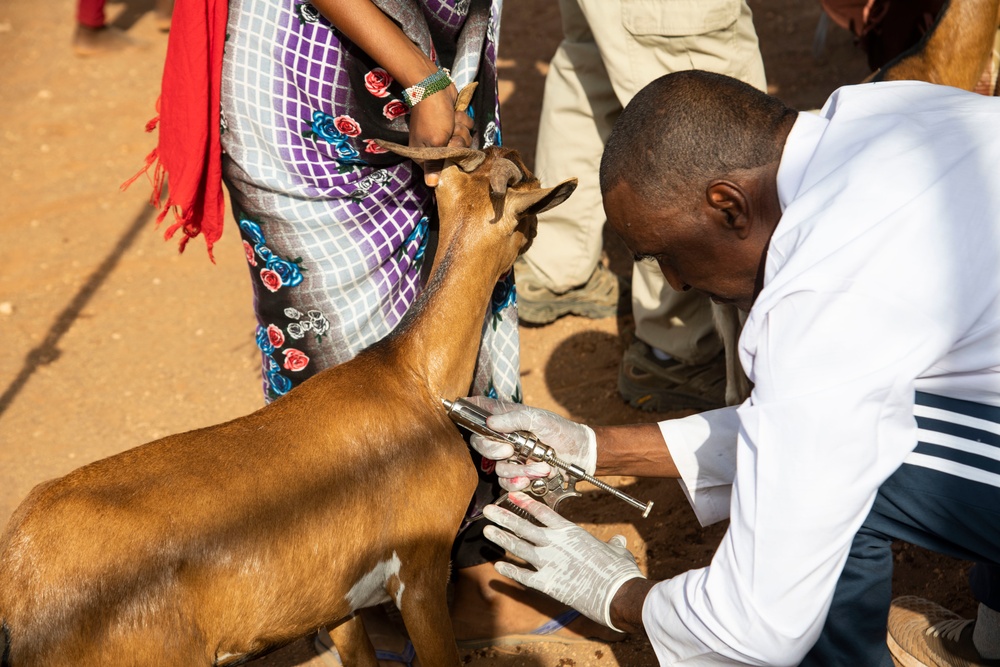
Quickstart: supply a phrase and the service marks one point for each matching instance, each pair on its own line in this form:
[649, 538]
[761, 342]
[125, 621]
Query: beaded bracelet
[436, 82]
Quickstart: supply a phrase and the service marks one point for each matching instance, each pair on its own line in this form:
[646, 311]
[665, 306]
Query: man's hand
[570, 564]
[574, 443]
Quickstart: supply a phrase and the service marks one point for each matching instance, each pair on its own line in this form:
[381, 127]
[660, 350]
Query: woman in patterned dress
[335, 229]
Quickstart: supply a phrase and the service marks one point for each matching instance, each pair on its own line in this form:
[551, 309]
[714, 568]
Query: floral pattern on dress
[337, 132]
[312, 321]
[393, 109]
[306, 13]
[365, 186]
[418, 235]
[270, 340]
[276, 272]
[377, 82]
[491, 135]
[275, 384]
[504, 295]
[277, 347]
[277, 341]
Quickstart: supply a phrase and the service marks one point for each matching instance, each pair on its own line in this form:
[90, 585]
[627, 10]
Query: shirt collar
[799, 148]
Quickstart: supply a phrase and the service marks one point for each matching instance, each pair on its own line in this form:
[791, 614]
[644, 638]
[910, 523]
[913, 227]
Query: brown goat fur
[222, 543]
[954, 52]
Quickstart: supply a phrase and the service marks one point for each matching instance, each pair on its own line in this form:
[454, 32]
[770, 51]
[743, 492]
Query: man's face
[692, 243]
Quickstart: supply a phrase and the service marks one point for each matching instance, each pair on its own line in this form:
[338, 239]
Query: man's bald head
[689, 179]
[687, 128]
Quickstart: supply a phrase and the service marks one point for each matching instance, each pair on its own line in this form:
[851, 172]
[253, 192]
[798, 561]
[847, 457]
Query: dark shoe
[924, 634]
[597, 298]
[653, 385]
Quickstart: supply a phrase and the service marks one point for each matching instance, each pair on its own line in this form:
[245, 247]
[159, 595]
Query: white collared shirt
[882, 279]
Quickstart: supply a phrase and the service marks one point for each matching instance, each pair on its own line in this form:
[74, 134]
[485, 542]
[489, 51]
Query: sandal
[654, 385]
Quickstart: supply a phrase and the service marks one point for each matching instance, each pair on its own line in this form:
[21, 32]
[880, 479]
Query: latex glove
[574, 443]
[571, 565]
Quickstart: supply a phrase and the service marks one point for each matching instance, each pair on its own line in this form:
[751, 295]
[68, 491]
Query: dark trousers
[935, 510]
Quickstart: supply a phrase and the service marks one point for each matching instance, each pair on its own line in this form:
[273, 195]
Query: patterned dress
[335, 229]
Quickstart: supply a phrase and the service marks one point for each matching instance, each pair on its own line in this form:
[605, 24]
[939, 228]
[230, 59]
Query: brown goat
[220, 544]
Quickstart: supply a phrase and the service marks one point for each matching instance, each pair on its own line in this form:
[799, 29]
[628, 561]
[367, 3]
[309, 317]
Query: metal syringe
[527, 447]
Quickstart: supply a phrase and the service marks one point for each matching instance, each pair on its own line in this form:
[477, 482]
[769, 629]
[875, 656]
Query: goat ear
[467, 159]
[533, 202]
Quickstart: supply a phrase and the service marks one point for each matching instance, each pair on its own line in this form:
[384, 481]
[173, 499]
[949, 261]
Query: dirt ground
[116, 339]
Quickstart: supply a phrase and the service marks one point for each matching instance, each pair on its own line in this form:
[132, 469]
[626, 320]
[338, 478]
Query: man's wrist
[633, 449]
[626, 606]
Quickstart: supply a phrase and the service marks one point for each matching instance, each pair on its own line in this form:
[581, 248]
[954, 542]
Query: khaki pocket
[679, 18]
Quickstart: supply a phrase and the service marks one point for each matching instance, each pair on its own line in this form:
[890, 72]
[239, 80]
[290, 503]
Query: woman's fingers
[462, 134]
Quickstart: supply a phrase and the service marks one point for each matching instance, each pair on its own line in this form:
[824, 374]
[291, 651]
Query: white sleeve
[703, 447]
[830, 418]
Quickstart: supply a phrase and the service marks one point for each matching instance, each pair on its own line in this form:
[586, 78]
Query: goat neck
[486, 206]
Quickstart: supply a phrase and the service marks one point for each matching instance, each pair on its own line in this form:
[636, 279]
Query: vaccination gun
[528, 448]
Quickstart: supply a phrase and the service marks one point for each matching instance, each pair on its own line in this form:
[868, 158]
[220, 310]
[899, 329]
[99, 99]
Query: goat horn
[504, 173]
[465, 96]
[467, 159]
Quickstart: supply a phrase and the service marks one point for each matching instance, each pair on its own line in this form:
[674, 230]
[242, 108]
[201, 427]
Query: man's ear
[731, 204]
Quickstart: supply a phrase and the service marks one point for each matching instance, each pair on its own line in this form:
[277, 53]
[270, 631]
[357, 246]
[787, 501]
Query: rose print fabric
[335, 229]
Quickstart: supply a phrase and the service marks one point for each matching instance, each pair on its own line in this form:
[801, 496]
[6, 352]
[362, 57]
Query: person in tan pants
[610, 50]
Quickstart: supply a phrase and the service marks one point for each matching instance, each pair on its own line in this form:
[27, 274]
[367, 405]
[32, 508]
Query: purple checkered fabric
[335, 230]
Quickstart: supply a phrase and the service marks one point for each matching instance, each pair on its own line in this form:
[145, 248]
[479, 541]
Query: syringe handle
[645, 507]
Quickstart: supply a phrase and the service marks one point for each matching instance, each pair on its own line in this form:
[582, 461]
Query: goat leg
[424, 606]
[352, 643]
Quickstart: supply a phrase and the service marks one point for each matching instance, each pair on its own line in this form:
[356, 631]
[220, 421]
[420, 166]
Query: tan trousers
[610, 50]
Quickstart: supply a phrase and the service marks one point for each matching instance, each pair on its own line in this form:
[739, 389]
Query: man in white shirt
[864, 243]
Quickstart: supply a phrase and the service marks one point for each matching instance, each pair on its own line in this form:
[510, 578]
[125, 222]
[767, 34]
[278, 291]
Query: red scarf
[188, 154]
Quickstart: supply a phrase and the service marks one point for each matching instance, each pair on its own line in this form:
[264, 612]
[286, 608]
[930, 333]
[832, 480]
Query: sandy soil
[116, 339]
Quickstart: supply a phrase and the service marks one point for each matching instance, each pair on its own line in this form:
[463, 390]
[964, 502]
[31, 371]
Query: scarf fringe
[182, 221]
[157, 181]
[154, 156]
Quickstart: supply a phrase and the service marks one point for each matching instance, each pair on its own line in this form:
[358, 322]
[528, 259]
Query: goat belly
[370, 589]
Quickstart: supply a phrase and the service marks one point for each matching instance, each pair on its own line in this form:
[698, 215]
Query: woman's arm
[433, 121]
[377, 35]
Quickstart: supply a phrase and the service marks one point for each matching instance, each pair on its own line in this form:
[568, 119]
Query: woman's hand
[434, 122]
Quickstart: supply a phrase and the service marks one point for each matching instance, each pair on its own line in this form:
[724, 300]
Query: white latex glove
[574, 443]
[571, 565]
